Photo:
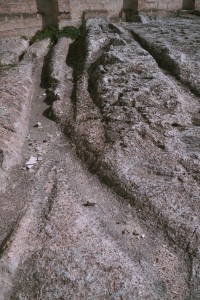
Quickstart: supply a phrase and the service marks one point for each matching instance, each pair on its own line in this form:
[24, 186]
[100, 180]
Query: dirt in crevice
[4, 243]
[45, 74]
[75, 60]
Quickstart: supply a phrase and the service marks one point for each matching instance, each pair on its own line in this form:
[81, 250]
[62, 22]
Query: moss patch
[55, 33]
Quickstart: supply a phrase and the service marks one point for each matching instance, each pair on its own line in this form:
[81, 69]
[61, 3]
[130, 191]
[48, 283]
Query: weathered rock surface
[175, 45]
[61, 82]
[137, 129]
[16, 87]
[137, 124]
[16, 91]
[11, 50]
[59, 248]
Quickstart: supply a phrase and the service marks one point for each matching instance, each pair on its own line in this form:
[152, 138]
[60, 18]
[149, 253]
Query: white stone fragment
[39, 125]
[31, 162]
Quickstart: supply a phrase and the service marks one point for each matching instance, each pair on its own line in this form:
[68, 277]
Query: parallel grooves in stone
[183, 235]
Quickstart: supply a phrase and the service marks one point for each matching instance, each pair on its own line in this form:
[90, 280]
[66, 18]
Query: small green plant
[54, 33]
[6, 67]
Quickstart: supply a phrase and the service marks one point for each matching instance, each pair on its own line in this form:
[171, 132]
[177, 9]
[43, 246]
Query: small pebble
[38, 125]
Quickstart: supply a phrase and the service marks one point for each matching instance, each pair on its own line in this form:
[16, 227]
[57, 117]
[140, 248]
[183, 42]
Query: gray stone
[12, 49]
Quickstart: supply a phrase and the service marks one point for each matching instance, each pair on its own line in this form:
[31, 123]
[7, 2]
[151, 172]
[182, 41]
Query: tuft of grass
[6, 67]
[54, 33]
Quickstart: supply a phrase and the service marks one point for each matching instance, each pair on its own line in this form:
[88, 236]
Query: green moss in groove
[54, 33]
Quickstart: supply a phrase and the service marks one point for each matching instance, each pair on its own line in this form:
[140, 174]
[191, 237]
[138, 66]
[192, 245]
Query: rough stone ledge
[61, 83]
[11, 50]
[176, 50]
